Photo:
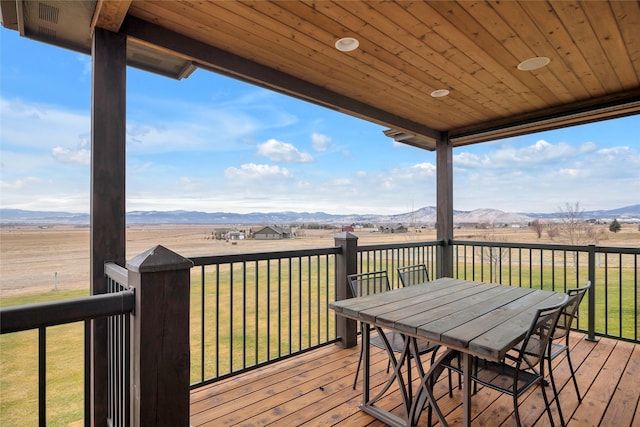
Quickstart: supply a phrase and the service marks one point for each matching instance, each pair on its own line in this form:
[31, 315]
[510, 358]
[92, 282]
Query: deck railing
[612, 304]
[251, 309]
[391, 256]
[146, 310]
[254, 309]
[44, 315]
[119, 349]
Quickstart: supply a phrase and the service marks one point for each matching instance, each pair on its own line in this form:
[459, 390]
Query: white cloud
[86, 64]
[278, 151]
[597, 177]
[320, 142]
[81, 156]
[227, 125]
[506, 156]
[467, 159]
[427, 168]
[39, 126]
[252, 171]
[341, 182]
[191, 184]
[571, 172]
[21, 183]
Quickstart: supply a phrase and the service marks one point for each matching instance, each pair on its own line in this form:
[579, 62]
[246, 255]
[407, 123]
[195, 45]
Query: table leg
[366, 356]
[368, 405]
[466, 389]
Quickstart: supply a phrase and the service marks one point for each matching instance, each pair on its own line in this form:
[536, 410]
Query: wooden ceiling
[408, 49]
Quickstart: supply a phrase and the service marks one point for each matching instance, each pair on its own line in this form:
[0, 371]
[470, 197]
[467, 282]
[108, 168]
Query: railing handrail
[33, 316]
[553, 246]
[117, 273]
[382, 246]
[262, 256]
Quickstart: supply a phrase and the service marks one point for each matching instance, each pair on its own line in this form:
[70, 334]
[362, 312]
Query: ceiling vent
[48, 13]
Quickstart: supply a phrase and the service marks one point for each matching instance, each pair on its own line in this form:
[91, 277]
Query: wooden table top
[482, 319]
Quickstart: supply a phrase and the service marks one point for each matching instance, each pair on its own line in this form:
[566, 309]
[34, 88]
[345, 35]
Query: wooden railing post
[346, 263]
[591, 294]
[160, 338]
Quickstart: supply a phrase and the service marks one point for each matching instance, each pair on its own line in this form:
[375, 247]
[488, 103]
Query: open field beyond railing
[611, 308]
[250, 310]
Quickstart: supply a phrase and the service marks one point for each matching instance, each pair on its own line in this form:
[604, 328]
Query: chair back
[369, 283]
[541, 329]
[570, 310]
[413, 274]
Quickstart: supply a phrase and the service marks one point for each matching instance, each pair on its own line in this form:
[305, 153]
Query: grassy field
[237, 345]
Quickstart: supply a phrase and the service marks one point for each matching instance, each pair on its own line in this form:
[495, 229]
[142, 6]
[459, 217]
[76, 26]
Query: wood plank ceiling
[407, 50]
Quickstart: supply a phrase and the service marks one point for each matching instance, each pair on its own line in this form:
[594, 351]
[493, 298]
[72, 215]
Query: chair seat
[498, 376]
[533, 347]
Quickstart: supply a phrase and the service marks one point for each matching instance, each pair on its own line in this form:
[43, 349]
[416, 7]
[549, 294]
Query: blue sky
[213, 144]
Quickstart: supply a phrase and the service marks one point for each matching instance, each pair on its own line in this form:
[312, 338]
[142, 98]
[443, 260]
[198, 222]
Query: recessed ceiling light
[440, 93]
[534, 63]
[347, 44]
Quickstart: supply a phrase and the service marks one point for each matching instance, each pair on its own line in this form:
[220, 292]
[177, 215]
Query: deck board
[314, 389]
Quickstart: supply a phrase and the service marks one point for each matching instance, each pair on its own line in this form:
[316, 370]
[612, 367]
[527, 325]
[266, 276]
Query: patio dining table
[475, 318]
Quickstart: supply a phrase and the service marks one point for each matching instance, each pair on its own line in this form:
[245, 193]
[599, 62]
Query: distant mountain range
[426, 216]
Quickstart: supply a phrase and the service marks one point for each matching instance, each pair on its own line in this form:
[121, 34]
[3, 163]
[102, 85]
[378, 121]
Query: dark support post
[591, 334]
[108, 241]
[444, 196]
[160, 338]
[346, 263]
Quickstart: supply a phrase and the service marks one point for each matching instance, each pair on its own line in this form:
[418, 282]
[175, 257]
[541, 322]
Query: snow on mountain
[423, 216]
[491, 216]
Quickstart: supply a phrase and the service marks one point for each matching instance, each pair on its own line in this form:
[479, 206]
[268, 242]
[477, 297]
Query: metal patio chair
[372, 283]
[517, 373]
[556, 347]
[413, 274]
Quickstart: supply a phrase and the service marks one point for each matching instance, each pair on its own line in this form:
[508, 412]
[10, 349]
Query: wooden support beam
[108, 120]
[444, 201]
[109, 14]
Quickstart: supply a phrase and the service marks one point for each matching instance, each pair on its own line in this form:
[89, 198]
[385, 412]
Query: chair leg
[355, 380]
[515, 409]
[555, 393]
[573, 376]
[546, 404]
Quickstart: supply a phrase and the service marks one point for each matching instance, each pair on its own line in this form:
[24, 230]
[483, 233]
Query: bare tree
[576, 230]
[495, 255]
[538, 227]
[552, 231]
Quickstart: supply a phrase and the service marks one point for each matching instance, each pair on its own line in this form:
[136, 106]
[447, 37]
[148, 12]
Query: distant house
[220, 233]
[397, 228]
[347, 228]
[235, 235]
[271, 232]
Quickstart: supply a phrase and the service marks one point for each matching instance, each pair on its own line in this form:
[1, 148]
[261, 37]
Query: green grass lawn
[19, 369]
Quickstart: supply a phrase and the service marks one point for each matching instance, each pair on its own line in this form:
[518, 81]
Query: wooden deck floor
[315, 390]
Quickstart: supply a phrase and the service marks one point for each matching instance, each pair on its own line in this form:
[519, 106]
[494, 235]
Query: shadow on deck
[314, 389]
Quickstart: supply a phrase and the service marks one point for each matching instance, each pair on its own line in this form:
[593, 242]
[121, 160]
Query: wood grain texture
[409, 49]
[314, 389]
